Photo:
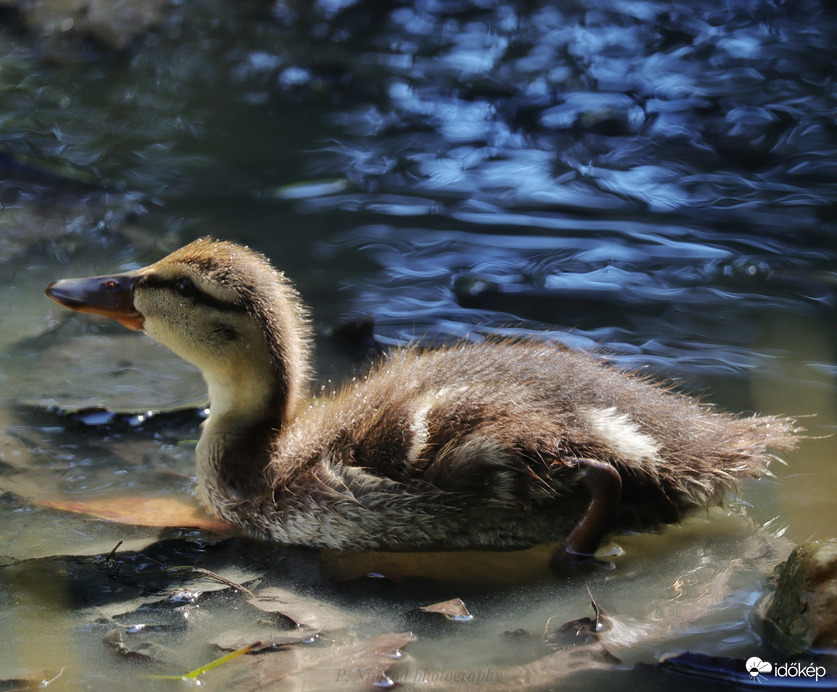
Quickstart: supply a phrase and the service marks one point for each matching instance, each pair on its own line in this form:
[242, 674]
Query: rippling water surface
[650, 180]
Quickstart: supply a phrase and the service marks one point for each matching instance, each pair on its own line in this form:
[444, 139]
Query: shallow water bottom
[694, 586]
[690, 587]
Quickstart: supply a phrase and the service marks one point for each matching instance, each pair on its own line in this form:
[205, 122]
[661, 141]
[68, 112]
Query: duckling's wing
[506, 421]
[494, 445]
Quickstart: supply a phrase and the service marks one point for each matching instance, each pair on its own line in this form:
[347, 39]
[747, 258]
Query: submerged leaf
[548, 672]
[576, 649]
[304, 611]
[267, 638]
[116, 642]
[221, 579]
[193, 674]
[143, 511]
[359, 665]
[117, 583]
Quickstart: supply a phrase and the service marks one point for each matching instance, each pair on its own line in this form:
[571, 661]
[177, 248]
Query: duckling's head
[220, 306]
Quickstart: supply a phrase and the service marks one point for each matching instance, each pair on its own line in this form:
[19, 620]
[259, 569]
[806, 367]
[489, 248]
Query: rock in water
[804, 606]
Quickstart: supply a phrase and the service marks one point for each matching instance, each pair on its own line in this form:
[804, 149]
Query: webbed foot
[604, 483]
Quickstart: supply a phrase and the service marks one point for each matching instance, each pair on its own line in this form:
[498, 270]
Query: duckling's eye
[185, 287]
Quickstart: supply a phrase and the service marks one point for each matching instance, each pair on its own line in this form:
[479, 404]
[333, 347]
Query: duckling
[501, 444]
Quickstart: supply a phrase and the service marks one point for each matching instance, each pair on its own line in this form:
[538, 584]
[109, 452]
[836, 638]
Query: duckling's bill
[111, 296]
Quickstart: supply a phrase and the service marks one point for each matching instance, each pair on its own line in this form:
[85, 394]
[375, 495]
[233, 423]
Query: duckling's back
[492, 434]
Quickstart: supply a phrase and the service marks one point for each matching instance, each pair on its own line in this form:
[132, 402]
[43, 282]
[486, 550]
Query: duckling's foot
[605, 486]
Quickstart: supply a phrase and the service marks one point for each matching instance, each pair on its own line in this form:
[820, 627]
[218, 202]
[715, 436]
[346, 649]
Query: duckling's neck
[251, 401]
[244, 394]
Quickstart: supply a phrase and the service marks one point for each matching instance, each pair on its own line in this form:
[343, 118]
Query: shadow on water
[650, 180]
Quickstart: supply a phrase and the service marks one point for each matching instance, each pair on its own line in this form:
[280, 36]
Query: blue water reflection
[644, 173]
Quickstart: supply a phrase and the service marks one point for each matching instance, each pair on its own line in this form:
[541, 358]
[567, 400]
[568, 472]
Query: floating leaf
[454, 609]
[582, 630]
[438, 617]
[585, 632]
[304, 611]
[143, 511]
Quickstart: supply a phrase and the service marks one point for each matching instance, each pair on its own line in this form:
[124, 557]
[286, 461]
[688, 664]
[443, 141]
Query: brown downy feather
[471, 445]
[492, 431]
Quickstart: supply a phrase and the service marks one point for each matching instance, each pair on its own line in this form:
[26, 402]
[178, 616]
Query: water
[650, 179]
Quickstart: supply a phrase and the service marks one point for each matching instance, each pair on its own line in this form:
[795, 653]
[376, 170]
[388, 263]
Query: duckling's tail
[707, 467]
[742, 448]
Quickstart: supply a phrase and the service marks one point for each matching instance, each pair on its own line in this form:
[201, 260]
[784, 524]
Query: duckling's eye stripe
[152, 281]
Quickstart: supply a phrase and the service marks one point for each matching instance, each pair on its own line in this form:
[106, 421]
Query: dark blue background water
[656, 175]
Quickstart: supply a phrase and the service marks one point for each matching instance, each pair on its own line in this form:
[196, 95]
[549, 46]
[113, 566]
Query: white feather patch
[621, 435]
[418, 428]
